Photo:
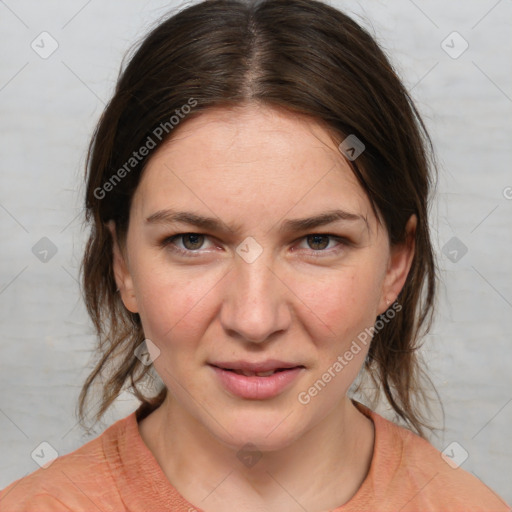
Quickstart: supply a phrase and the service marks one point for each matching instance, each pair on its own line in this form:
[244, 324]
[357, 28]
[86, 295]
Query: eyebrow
[321, 220]
[170, 216]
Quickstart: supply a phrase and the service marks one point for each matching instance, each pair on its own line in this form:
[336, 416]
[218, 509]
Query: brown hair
[300, 55]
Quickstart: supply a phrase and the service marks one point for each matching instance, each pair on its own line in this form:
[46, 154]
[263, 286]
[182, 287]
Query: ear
[399, 264]
[121, 272]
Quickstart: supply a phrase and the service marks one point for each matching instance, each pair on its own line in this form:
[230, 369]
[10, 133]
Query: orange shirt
[117, 472]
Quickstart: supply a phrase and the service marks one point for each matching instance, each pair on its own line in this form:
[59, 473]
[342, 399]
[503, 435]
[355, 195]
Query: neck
[319, 471]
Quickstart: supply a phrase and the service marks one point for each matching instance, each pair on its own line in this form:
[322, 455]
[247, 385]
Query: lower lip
[254, 387]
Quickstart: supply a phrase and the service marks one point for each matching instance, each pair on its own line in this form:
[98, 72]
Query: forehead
[250, 161]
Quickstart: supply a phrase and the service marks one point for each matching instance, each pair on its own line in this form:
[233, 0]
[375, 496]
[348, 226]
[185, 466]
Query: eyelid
[343, 243]
[169, 240]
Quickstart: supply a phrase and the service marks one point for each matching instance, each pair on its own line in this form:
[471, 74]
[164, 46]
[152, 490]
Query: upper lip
[261, 366]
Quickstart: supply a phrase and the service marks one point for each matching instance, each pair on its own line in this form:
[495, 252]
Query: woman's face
[252, 247]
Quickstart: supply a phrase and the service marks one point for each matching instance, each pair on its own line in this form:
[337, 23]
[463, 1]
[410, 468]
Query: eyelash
[169, 243]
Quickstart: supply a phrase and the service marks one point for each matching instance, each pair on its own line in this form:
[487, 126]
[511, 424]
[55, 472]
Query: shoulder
[410, 473]
[71, 482]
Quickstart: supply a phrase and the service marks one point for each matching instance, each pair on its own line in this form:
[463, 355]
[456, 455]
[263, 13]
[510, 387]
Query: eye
[187, 244]
[319, 242]
[195, 244]
[192, 241]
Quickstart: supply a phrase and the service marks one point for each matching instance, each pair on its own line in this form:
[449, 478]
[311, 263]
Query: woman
[257, 190]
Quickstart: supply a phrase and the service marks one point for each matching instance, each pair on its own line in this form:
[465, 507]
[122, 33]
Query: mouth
[256, 381]
[259, 369]
[267, 373]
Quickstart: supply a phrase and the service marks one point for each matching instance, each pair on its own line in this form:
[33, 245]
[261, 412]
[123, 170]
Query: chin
[267, 431]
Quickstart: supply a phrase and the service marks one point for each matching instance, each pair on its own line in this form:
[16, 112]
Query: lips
[256, 381]
[261, 368]
[255, 374]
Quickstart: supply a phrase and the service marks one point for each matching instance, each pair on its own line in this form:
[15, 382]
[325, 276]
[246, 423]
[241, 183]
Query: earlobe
[400, 261]
[121, 272]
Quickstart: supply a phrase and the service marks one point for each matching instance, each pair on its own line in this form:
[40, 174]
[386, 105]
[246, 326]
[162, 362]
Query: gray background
[49, 107]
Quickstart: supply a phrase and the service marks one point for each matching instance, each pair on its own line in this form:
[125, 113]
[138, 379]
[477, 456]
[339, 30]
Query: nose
[256, 302]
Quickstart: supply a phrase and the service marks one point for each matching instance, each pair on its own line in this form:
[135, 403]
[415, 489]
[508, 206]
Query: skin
[252, 168]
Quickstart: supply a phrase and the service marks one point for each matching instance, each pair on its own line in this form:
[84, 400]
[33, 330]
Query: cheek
[344, 304]
[173, 307]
